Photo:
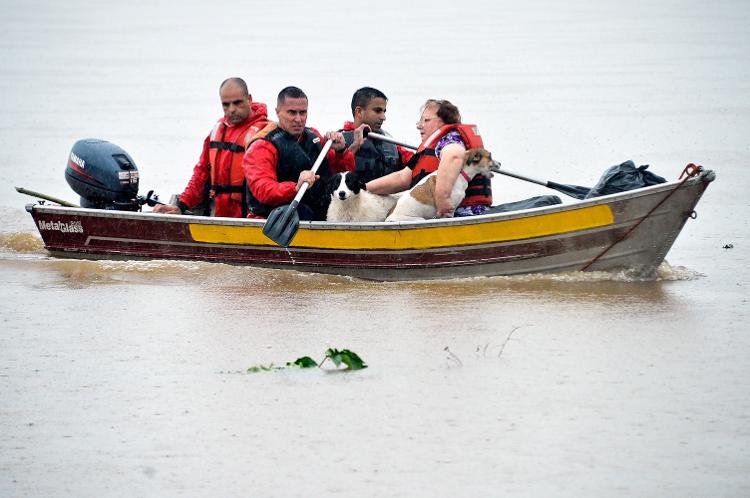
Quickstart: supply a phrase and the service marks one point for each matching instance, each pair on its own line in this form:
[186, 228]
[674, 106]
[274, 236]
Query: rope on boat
[690, 171]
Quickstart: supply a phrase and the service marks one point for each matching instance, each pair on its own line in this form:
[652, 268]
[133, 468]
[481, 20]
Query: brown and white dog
[350, 200]
[419, 202]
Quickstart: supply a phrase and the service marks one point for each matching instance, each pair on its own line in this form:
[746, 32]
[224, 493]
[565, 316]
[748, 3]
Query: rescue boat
[630, 230]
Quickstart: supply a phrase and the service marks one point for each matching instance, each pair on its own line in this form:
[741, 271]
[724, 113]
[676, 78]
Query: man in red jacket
[218, 178]
[280, 159]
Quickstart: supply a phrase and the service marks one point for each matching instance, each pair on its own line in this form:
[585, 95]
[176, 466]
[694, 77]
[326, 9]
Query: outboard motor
[104, 175]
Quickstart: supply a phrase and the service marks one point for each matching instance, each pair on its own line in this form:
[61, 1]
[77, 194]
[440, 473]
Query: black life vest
[294, 157]
[374, 158]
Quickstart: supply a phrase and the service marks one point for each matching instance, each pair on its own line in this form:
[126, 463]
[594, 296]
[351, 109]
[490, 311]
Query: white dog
[419, 202]
[350, 200]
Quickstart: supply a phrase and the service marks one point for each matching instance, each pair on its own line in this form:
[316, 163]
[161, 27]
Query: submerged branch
[502, 348]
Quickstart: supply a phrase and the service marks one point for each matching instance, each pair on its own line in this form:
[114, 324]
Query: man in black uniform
[374, 158]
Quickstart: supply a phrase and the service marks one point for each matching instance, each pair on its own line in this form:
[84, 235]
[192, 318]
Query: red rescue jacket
[261, 170]
[218, 174]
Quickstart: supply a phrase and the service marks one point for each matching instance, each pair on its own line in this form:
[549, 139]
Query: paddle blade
[575, 191]
[282, 224]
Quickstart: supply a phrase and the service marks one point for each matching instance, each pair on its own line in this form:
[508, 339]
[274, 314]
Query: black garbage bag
[532, 202]
[622, 177]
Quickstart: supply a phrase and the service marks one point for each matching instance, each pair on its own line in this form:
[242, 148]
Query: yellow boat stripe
[417, 238]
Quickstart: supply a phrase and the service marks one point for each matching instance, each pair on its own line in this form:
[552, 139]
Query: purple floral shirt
[452, 137]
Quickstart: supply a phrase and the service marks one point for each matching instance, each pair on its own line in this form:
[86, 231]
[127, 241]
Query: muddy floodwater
[134, 376]
[137, 378]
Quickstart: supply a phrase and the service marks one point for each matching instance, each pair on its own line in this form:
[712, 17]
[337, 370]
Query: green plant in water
[349, 358]
[262, 368]
[304, 362]
[345, 356]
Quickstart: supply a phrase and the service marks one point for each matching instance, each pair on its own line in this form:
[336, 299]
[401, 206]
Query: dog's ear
[332, 184]
[354, 182]
[473, 156]
[362, 184]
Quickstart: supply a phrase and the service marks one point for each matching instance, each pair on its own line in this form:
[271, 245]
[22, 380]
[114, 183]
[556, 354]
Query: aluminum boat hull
[629, 230]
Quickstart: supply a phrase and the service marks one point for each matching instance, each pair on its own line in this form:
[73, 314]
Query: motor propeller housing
[103, 174]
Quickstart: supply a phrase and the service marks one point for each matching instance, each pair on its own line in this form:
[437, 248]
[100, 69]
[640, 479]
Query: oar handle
[385, 138]
[314, 169]
[520, 176]
[46, 197]
[571, 190]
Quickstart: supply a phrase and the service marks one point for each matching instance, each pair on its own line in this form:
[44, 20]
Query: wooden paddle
[574, 191]
[283, 222]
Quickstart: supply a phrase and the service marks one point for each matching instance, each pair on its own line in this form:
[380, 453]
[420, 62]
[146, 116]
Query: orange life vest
[424, 162]
[217, 144]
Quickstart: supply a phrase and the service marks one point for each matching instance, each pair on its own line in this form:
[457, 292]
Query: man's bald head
[235, 99]
[238, 82]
